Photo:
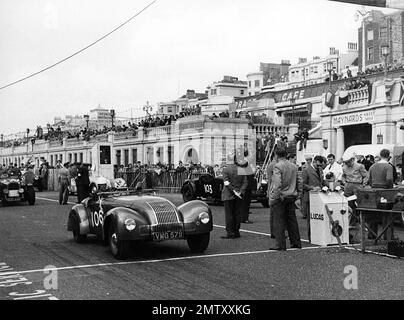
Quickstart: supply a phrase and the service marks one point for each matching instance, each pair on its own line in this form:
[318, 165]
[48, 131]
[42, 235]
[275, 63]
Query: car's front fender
[117, 217]
[79, 212]
[190, 212]
[188, 182]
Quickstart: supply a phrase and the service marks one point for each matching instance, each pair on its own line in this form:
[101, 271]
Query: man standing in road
[269, 175]
[380, 176]
[354, 177]
[312, 180]
[333, 170]
[83, 183]
[282, 196]
[64, 183]
[245, 163]
[234, 187]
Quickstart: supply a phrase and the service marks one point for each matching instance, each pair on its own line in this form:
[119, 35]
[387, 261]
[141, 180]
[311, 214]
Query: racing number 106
[97, 218]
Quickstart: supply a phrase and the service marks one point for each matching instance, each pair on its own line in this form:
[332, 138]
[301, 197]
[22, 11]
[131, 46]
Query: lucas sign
[353, 118]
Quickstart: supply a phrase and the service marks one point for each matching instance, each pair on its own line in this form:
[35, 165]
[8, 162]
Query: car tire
[199, 242]
[265, 203]
[78, 238]
[118, 248]
[31, 196]
[188, 193]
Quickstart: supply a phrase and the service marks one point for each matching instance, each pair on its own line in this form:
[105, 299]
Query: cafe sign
[353, 118]
[293, 95]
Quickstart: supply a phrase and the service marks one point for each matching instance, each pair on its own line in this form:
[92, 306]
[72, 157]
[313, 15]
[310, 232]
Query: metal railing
[169, 181]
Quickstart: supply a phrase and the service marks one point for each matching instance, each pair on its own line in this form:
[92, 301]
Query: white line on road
[112, 264]
[215, 225]
[255, 232]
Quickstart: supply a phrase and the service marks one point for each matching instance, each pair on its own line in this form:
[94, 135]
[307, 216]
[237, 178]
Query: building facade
[315, 71]
[381, 29]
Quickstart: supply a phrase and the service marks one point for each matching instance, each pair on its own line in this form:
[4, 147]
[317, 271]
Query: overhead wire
[79, 51]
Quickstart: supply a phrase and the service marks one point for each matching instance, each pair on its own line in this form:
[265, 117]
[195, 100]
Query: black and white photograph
[201, 157]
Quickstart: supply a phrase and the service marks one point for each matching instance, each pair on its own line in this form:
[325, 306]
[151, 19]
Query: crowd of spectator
[265, 143]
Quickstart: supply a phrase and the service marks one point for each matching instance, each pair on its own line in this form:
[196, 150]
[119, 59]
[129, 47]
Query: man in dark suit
[312, 180]
[83, 182]
[282, 196]
[234, 187]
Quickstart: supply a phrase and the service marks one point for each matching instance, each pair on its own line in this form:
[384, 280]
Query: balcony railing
[356, 96]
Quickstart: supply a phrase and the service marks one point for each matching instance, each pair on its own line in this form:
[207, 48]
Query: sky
[173, 46]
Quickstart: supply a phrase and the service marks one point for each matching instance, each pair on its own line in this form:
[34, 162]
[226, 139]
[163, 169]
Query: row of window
[312, 70]
[213, 92]
[382, 33]
[370, 52]
[257, 83]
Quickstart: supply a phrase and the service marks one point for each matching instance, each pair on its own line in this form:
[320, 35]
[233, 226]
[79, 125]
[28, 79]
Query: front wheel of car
[199, 242]
[78, 238]
[188, 193]
[119, 248]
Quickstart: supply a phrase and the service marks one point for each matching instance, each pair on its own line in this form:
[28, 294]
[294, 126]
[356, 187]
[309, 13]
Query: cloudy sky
[173, 46]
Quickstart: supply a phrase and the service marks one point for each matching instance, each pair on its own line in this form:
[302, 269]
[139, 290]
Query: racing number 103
[208, 188]
[97, 218]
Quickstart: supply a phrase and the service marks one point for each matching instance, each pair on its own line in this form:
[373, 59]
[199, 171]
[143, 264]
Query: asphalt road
[33, 238]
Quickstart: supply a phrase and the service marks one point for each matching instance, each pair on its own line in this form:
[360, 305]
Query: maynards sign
[353, 118]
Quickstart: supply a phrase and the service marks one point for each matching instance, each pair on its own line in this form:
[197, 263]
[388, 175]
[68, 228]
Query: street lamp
[147, 107]
[329, 69]
[112, 113]
[292, 103]
[385, 52]
[87, 118]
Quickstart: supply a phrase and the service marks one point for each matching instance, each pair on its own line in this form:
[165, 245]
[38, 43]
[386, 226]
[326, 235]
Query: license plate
[13, 199]
[159, 236]
[13, 193]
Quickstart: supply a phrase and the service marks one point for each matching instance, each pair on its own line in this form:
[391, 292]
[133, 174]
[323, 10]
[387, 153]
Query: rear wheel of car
[31, 196]
[78, 238]
[198, 242]
[119, 248]
[188, 193]
[265, 203]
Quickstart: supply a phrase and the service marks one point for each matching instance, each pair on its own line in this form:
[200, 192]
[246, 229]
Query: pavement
[35, 239]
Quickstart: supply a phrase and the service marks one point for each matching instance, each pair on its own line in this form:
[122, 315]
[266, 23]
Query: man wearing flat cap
[234, 187]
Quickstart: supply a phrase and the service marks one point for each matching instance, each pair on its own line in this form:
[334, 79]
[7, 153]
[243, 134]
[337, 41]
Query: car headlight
[204, 217]
[21, 190]
[5, 191]
[130, 224]
[264, 182]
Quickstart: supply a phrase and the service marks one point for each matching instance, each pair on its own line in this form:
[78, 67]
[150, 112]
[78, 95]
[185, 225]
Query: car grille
[165, 211]
[173, 227]
[13, 186]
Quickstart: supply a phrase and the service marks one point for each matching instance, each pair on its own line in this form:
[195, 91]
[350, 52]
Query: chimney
[332, 50]
[352, 46]
[302, 60]
[316, 58]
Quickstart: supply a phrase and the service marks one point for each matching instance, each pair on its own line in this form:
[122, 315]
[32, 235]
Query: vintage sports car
[209, 188]
[123, 218]
[14, 189]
